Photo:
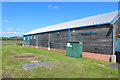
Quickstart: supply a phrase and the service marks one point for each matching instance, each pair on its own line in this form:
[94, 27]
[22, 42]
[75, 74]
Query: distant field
[11, 41]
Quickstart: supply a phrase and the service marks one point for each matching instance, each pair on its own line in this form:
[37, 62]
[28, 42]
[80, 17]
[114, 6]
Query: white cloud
[20, 30]
[9, 29]
[10, 34]
[49, 6]
[52, 6]
[55, 7]
[6, 20]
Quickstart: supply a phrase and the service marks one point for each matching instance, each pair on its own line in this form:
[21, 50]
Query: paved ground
[40, 64]
[116, 65]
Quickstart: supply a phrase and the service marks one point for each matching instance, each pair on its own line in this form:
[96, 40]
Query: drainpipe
[113, 58]
[113, 36]
[69, 35]
[29, 41]
[36, 41]
[48, 41]
[23, 41]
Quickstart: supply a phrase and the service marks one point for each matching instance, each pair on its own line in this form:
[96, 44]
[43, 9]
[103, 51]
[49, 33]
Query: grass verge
[67, 68]
[11, 41]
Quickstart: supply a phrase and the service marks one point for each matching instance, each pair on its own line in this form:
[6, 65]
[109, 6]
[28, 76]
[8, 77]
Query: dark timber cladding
[96, 38]
[57, 39]
[101, 42]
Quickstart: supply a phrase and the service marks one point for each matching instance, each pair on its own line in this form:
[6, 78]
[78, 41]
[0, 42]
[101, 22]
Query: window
[27, 37]
[31, 37]
[34, 36]
[24, 38]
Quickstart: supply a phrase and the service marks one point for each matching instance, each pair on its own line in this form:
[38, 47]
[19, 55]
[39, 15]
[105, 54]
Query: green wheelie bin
[74, 49]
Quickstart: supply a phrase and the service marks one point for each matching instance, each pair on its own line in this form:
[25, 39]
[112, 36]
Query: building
[98, 33]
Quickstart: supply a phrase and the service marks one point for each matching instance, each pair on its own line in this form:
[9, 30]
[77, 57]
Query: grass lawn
[11, 41]
[67, 68]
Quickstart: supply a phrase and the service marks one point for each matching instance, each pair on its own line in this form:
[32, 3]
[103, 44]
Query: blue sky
[21, 17]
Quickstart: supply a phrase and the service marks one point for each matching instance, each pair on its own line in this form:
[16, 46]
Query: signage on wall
[88, 33]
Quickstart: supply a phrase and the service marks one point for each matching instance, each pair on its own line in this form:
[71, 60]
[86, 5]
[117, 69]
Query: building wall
[57, 39]
[42, 40]
[101, 42]
[117, 25]
[32, 40]
[117, 32]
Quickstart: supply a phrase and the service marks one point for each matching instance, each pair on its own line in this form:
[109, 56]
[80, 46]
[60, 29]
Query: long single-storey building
[98, 33]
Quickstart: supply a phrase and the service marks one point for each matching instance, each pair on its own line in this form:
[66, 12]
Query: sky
[21, 17]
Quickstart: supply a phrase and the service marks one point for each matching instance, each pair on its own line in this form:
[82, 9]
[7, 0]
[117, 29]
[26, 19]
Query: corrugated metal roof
[88, 21]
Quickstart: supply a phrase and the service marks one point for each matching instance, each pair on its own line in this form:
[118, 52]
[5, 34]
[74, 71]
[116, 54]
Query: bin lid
[74, 41]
